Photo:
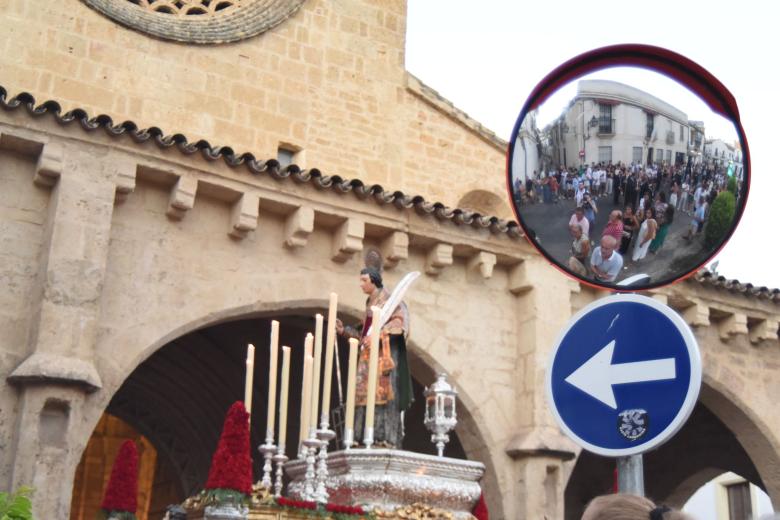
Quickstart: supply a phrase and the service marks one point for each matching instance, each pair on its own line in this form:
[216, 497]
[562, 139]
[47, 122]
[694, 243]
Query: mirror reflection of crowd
[652, 197]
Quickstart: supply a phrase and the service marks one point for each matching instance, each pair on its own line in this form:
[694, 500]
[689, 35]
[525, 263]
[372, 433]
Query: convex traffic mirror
[628, 167]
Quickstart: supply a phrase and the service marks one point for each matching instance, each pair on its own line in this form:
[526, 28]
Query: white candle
[308, 361]
[330, 343]
[373, 369]
[250, 374]
[272, 379]
[283, 395]
[349, 421]
[315, 380]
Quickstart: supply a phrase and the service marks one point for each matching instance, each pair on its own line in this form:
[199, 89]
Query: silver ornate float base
[388, 479]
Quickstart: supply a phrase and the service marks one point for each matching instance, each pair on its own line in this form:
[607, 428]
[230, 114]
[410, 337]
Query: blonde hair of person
[629, 507]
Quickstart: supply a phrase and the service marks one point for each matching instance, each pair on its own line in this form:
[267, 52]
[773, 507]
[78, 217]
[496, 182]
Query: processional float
[351, 482]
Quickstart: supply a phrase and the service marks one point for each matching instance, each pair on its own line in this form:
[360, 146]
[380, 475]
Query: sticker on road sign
[624, 375]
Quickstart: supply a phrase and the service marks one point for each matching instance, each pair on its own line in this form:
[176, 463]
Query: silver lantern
[440, 415]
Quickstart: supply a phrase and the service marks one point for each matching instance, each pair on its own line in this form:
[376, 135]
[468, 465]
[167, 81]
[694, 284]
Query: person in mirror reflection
[605, 262]
[580, 250]
[614, 227]
[630, 225]
[590, 209]
[629, 507]
[578, 219]
[647, 233]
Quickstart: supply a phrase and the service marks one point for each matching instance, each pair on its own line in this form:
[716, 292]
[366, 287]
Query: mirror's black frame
[686, 72]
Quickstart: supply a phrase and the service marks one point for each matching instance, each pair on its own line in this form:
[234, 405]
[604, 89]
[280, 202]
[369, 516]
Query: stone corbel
[348, 240]
[182, 197]
[731, 325]
[574, 286]
[298, 227]
[49, 167]
[52, 368]
[125, 179]
[541, 442]
[697, 314]
[519, 281]
[244, 215]
[395, 248]
[439, 257]
[484, 262]
[763, 330]
[663, 299]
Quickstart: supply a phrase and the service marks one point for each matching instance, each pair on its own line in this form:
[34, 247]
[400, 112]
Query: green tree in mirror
[17, 505]
[721, 218]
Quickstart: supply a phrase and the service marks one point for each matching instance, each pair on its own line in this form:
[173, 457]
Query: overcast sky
[487, 56]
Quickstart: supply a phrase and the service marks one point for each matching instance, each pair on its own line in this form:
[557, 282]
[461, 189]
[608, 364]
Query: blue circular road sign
[624, 375]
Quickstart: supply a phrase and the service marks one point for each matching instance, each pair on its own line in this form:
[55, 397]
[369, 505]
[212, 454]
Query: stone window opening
[288, 154]
[198, 21]
[53, 423]
[187, 7]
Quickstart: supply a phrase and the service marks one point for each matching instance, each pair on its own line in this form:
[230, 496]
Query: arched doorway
[158, 485]
[176, 399]
[704, 448]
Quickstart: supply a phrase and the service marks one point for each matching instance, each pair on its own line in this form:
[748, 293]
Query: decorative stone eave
[480, 237]
[252, 165]
[707, 278]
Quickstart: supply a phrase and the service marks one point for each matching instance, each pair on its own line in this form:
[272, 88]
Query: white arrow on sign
[596, 376]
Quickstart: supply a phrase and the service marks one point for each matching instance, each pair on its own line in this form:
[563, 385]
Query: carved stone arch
[187, 439]
[474, 429]
[761, 442]
[723, 434]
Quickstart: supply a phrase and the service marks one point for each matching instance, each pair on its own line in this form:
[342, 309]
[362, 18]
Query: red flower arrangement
[480, 511]
[297, 504]
[344, 510]
[312, 506]
[122, 491]
[231, 466]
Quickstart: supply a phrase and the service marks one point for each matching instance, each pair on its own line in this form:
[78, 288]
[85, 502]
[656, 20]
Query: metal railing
[606, 126]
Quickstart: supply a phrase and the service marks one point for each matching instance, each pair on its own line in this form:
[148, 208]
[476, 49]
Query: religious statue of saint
[394, 386]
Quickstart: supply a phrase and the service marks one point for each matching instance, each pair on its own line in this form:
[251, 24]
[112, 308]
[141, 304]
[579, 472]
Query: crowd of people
[651, 196]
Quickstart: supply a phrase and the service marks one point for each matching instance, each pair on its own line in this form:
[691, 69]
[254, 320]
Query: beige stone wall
[119, 248]
[167, 257]
[329, 81]
[111, 249]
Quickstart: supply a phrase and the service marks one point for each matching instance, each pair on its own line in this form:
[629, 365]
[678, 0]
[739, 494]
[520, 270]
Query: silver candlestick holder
[368, 437]
[349, 438]
[280, 458]
[325, 435]
[309, 482]
[268, 450]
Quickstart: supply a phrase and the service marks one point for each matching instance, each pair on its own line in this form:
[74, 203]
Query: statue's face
[366, 285]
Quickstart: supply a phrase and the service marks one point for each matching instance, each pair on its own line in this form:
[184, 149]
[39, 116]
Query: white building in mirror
[719, 152]
[525, 158]
[608, 121]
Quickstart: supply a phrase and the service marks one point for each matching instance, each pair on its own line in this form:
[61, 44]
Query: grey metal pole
[631, 477]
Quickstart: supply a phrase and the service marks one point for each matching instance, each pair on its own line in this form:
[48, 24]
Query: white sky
[487, 56]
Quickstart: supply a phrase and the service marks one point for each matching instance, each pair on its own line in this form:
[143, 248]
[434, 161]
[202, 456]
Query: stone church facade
[142, 250]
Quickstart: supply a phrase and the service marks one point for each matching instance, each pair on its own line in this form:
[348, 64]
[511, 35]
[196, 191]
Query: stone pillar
[538, 448]
[541, 485]
[46, 450]
[59, 370]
